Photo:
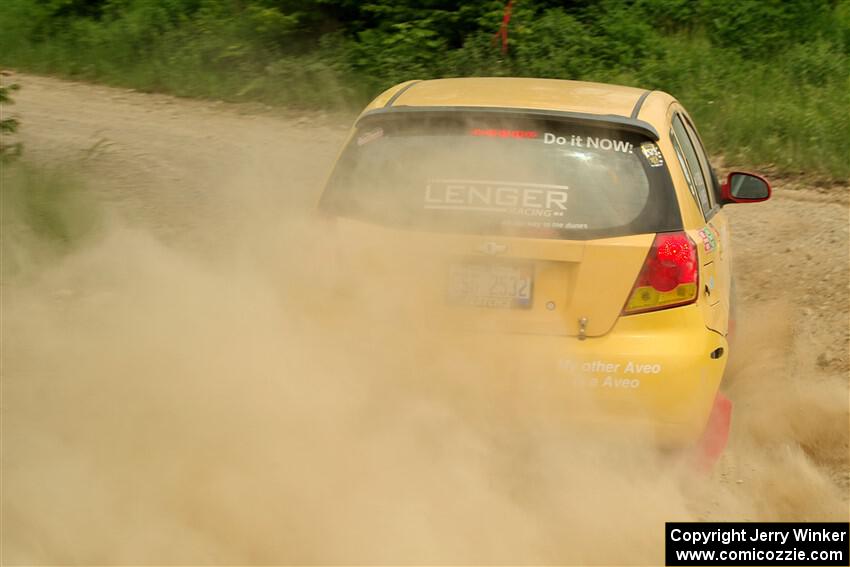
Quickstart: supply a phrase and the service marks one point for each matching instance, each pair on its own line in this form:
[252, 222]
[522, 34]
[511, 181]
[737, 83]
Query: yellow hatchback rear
[563, 219]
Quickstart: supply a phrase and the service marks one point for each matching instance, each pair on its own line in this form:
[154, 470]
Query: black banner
[757, 543]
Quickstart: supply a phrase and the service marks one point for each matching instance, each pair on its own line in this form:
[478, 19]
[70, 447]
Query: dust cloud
[237, 399]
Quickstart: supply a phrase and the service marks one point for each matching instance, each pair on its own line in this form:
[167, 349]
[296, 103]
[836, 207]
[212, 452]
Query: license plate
[490, 285]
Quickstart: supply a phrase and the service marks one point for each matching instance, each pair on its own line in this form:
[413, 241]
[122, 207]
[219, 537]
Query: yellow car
[582, 221]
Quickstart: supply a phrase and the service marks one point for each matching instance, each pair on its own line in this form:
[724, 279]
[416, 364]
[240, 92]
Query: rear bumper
[652, 372]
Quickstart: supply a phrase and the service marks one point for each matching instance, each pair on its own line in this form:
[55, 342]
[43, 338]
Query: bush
[759, 28]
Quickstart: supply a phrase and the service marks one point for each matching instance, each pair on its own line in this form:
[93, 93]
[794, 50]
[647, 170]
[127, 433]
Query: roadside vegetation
[8, 124]
[768, 81]
[45, 213]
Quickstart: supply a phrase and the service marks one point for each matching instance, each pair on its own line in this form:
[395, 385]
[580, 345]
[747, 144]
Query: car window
[697, 178]
[705, 166]
[685, 169]
[526, 177]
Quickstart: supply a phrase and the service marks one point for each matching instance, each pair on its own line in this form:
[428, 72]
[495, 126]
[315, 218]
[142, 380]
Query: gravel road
[129, 435]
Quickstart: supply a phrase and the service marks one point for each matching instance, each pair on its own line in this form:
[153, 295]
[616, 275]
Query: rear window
[502, 176]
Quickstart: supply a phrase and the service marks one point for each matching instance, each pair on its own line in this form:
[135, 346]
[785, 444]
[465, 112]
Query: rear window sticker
[504, 133]
[553, 225]
[526, 199]
[370, 136]
[588, 142]
[652, 154]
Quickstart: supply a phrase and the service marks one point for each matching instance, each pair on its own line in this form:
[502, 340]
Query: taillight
[669, 275]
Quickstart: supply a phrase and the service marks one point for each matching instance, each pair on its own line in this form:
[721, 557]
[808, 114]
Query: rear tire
[715, 436]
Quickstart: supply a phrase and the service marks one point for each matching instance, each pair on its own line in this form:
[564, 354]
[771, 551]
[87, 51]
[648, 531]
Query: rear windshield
[502, 176]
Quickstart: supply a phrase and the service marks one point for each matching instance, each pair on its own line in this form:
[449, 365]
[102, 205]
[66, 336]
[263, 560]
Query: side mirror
[741, 187]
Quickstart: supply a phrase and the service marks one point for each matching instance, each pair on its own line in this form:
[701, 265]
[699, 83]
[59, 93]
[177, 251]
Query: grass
[793, 115]
[787, 109]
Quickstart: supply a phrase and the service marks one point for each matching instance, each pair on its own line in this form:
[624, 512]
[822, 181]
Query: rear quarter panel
[711, 238]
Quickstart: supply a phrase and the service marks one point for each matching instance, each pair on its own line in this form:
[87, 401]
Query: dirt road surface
[164, 401]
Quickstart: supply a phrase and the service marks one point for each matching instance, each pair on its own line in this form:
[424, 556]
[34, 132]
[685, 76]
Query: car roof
[613, 103]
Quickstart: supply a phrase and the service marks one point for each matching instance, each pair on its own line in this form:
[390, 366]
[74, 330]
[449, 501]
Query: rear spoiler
[598, 120]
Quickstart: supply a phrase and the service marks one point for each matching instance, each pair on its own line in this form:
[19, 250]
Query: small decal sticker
[721, 239]
[709, 242]
[652, 154]
[370, 136]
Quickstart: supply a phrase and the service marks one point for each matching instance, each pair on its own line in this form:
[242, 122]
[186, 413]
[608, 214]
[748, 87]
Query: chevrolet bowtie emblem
[492, 248]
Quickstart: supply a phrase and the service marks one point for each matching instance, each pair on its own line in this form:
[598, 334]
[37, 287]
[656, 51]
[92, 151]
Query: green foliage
[46, 212]
[758, 28]
[556, 45]
[8, 125]
[767, 80]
